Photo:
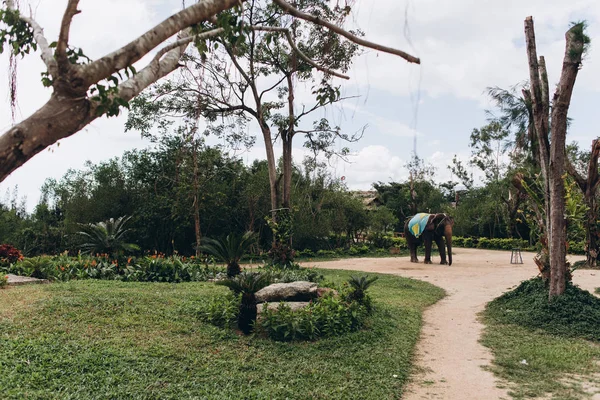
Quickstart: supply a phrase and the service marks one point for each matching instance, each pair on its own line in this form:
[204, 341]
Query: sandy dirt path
[449, 357]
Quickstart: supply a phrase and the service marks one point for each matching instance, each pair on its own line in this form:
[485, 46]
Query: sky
[465, 46]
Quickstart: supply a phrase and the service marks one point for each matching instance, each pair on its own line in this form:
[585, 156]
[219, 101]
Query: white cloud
[466, 46]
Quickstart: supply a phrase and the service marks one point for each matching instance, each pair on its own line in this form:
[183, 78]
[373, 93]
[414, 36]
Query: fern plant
[246, 285]
[106, 237]
[230, 250]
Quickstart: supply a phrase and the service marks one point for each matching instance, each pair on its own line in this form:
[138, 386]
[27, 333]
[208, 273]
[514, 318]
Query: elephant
[437, 227]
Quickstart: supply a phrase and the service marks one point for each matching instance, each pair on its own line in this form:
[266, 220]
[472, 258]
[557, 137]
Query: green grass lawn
[103, 339]
[541, 349]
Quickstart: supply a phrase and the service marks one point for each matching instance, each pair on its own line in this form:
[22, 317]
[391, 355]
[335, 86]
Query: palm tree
[106, 237]
[246, 284]
[230, 250]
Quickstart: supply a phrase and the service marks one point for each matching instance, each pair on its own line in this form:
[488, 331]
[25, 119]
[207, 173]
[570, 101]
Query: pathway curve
[449, 354]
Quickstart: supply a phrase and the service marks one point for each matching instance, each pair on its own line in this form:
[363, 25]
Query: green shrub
[329, 316]
[487, 243]
[355, 250]
[144, 269]
[576, 313]
[246, 284]
[305, 253]
[576, 247]
[358, 290]
[327, 253]
[221, 311]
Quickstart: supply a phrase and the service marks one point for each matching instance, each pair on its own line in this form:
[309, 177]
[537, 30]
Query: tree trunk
[273, 181]
[552, 155]
[589, 186]
[559, 273]
[592, 246]
[59, 118]
[286, 139]
[196, 187]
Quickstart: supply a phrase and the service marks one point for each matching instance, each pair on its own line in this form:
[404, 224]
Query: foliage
[550, 362]
[220, 311]
[246, 284]
[3, 281]
[19, 34]
[358, 289]
[83, 338]
[276, 275]
[574, 314]
[358, 250]
[9, 254]
[282, 253]
[552, 349]
[154, 268]
[329, 316]
[107, 237]
[230, 250]
[509, 244]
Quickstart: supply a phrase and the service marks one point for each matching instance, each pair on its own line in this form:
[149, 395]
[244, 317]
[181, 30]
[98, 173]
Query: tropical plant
[107, 237]
[359, 286]
[230, 250]
[3, 281]
[10, 253]
[246, 284]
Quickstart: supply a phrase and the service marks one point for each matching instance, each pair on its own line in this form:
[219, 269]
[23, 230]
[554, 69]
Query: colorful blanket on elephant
[417, 224]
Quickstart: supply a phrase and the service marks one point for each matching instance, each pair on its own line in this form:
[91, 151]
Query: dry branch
[287, 7]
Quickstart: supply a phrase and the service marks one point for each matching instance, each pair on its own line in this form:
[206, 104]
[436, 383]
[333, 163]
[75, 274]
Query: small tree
[107, 237]
[246, 284]
[230, 250]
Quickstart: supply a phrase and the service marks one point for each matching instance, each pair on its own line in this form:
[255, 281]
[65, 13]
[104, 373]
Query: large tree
[85, 90]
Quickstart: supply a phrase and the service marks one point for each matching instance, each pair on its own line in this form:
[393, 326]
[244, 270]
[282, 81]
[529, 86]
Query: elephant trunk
[448, 237]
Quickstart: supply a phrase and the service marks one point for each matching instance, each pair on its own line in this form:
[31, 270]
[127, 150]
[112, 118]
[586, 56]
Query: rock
[23, 280]
[294, 305]
[322, 291]
[293, 291]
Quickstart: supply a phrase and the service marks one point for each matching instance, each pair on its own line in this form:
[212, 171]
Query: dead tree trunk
[552, 155]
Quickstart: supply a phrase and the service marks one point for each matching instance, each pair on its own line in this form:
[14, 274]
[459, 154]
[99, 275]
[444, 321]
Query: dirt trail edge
[449, 357]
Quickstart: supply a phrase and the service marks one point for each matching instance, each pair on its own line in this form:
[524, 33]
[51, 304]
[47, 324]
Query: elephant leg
[442, 249]
[427, 251]
[413, 253]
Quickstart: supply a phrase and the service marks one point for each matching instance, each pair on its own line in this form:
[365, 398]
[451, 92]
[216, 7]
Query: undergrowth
[574, 314]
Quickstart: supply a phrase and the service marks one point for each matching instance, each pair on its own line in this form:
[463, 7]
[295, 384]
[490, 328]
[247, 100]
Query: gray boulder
[293, 291]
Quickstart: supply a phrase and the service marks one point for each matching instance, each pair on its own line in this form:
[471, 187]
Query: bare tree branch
[38, 34]
[138, 48]
[581, 182]
[287, 7]
[185, 40]
[63, 37]
[157, 69]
